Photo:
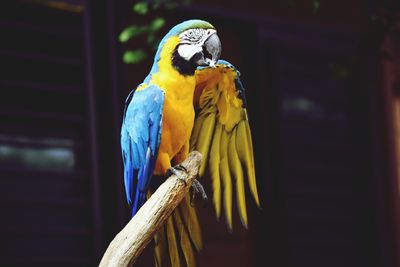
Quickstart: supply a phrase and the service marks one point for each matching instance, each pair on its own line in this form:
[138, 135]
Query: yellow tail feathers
[245, 152]
[172, 243]
[226, 178]
[177, 240]
[237, 173]
[214, 169]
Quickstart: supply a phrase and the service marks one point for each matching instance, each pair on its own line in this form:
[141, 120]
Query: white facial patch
[187, 51]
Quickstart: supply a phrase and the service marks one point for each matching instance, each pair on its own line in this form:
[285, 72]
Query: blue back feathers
[140, 140]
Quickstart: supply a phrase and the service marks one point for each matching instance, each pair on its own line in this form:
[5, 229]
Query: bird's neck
[167, 77]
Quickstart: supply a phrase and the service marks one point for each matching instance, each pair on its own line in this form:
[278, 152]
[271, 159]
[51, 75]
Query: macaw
[191, 100]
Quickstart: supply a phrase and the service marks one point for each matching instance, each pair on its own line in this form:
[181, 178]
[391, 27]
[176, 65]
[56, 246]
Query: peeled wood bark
[136, 235]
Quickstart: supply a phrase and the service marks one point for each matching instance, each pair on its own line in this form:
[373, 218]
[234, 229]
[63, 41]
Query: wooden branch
[136, 235]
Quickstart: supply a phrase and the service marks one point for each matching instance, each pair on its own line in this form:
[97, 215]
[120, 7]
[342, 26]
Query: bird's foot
[177, 170]
[197, 188]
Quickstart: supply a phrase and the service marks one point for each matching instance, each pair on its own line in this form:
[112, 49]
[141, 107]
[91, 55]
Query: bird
[190, 100]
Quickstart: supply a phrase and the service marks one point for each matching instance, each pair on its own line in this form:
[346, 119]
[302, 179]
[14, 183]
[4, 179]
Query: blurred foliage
[141, 8]
[316, 5]
[134, 56]
[150, 30]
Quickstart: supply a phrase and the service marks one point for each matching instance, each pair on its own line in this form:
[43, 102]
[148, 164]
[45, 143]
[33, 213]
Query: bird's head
[196, 44]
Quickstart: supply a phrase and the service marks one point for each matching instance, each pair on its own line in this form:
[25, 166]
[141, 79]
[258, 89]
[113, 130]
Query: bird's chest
[178, 113]
[178, 120]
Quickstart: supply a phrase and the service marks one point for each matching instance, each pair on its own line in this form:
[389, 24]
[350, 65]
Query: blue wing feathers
[140, 140]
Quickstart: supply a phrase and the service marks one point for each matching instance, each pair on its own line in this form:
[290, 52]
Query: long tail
[178, 240]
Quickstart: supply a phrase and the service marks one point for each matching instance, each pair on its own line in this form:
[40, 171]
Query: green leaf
[151, 38]
[316, 6]
[157, 24]
[141, 8]
[134, 56]
[130, 32]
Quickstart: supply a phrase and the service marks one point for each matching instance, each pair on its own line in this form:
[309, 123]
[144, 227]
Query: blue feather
[140, 141]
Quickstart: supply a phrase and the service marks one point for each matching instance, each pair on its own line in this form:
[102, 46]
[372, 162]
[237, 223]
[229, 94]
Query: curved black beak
[211, 50]
[212, 47]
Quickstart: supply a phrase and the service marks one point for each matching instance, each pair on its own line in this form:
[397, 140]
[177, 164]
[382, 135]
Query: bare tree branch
[136, 235]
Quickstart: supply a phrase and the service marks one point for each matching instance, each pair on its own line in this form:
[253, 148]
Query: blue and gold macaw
[191, 100]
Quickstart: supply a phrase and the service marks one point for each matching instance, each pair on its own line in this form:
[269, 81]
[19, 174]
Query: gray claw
[177, 171]
[181, 168]
[197, 188]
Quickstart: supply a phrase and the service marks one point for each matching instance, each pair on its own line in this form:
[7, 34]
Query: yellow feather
[245, 153]
[253, 183]
[209, 97]
[204, 139]
[214, 169]
[223, 107]
[190, 219]
[226, 178]
[186, 246]
[172, 246]
[160, 248]
[248, 134]
[229, 105]
[233, 118]
[237, 172]
[195, 132]
[210, 108]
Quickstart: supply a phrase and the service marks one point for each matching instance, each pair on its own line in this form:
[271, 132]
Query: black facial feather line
[183, 66]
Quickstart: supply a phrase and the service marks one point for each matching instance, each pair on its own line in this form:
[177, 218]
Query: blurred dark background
[323, 89]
